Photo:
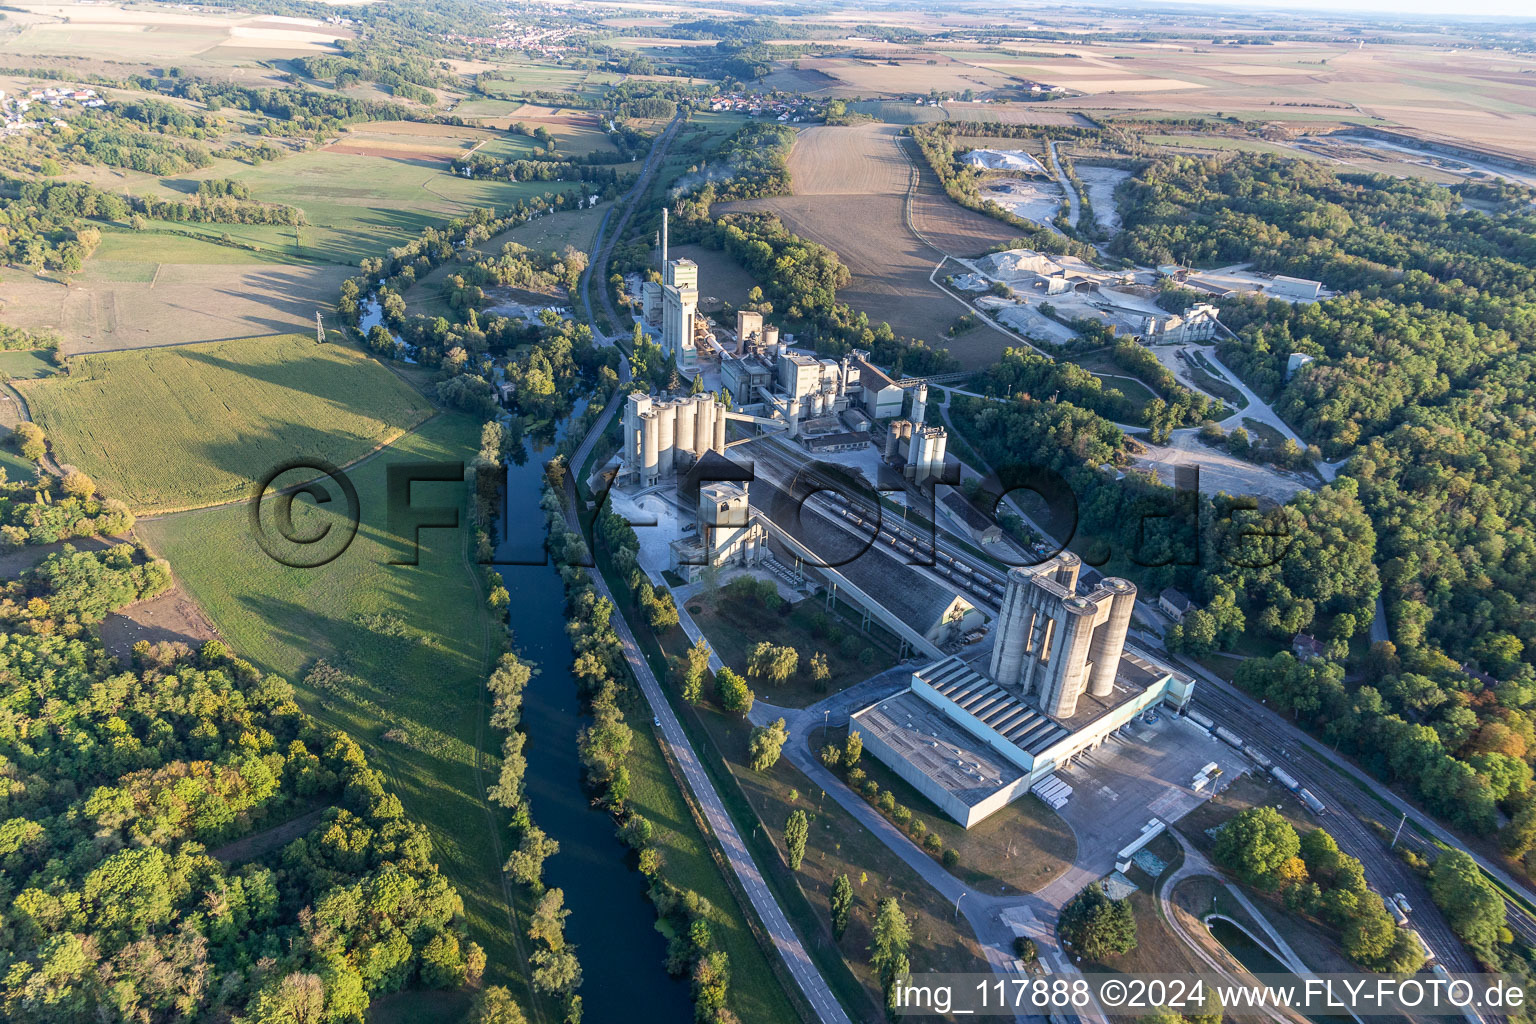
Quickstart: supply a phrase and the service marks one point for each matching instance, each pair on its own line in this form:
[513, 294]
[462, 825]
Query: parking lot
[1131, 779]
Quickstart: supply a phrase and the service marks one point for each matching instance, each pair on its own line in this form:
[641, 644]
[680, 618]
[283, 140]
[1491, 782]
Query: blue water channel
[612, 923]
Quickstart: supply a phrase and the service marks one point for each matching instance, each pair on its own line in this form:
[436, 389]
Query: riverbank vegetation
[605, 745]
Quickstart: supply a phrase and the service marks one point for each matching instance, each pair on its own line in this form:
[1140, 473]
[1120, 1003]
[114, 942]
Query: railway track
[1348, 819]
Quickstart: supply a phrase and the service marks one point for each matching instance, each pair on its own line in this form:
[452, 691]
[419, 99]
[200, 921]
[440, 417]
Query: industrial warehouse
[1060, 681]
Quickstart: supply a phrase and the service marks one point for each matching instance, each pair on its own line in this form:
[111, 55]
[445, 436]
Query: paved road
[1196, 864]
[983, 912]
[609, 232]
[782, 934]
[815, 987]
[1258, 409]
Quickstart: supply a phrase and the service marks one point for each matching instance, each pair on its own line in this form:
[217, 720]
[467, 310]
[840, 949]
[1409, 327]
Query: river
[612, 923]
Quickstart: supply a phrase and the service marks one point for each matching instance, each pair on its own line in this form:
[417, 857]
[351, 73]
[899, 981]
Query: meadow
[194, 425]
[130, 303]
[412, 642]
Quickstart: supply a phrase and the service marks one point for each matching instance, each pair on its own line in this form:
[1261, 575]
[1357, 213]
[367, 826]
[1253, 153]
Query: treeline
[1021, 371]
[1312, 876]
[119, 784]
[555, 968]
[604, 744]
[305, 110]
[32, 513]
[44, 221]
[480, 165]
[17, 339]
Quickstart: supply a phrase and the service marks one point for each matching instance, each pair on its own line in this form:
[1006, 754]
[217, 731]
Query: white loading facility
[1060, 680]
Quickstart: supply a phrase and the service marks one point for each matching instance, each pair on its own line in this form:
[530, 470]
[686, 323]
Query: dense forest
[1420, 388]
[135, 803]
[1422, 373]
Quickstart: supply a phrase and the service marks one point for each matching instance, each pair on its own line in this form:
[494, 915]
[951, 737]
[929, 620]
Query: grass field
[414, 639]
[755, 992]
[26, 365]
[151, 247]
[357, 203]
[838, 844]
[195, 425]
[733, 629]
[162, 287]
[1023, 847]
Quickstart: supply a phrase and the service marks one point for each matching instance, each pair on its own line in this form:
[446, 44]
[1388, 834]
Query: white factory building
[1059, 681]
[673, 306]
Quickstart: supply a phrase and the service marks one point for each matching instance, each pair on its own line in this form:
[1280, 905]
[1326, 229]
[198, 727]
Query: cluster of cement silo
[661, 438]
[1055, 644]
[921, 447]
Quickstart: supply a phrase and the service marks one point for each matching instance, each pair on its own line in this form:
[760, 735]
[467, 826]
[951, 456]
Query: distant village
[15, 107]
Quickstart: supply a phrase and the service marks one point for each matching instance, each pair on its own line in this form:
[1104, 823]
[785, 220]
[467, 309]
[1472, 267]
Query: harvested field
[851, 188]
[182, 427]
[122, 305]
[173, 616]
[387, 140]
[1015, 113]
[848, 161]
[854, 76]
[109, 31]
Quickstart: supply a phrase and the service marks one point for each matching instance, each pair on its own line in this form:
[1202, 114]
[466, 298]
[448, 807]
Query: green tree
[495, 1005]
[796, 831]
[691, 671]
[842, 904]
[556, 971]
[526, 865]
[888, 949]
[1256, 846]
[1097, 926]
[733, 692]
[765, 745]
[853, 749]
[772, 663]
[547, 924]
[30, 440]
[820, 671]
[1471, 903]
